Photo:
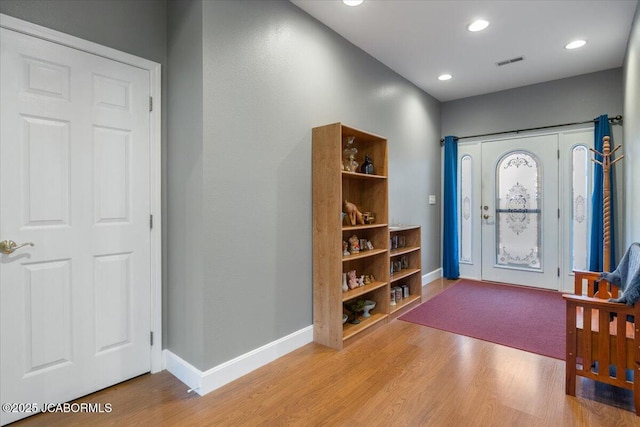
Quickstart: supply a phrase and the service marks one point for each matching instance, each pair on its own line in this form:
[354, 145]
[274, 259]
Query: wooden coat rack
[606, 164]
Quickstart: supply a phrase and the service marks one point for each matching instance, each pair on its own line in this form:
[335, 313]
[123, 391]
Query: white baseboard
[205, 382]
[182, 370]
[430, 277]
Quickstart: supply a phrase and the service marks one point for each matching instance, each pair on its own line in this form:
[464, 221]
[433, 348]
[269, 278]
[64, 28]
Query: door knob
[485, 216]
[9, 246]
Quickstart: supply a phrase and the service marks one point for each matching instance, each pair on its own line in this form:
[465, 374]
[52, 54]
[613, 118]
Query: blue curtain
[597, 227]
[450, 255]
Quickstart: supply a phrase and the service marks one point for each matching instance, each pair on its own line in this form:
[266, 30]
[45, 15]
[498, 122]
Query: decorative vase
[345, 288]
[368, 306]
[367, 166]
[354, 308]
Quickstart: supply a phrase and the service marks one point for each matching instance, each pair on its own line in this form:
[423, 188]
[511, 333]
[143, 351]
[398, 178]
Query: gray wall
[136, 27]
[632, 131]
[183, 298]
[569, 100]
[271, 73]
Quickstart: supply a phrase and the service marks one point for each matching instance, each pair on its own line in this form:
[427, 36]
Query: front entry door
[74, 182]
[519, 211]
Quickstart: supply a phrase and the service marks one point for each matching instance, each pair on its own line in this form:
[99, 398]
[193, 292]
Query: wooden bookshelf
[369, 192]
[404, 245]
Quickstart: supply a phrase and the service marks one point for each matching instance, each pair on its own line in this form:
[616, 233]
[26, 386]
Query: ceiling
[421, 39]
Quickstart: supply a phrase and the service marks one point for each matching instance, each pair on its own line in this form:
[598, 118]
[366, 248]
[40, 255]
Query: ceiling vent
[510, 61]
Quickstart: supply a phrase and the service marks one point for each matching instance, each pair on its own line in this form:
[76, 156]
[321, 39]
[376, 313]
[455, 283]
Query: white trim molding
[155, 126]
[214, 378]
[430, 277]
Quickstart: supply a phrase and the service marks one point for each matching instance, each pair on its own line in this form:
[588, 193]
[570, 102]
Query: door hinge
[151, 222]
[151, 337]
[558, 213]
[558, 153]
[150, 103]
[558, 271]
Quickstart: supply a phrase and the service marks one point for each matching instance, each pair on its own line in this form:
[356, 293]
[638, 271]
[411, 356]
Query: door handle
[485, 216]
[9, 246]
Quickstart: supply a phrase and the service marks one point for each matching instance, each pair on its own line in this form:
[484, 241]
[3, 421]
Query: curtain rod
[614, 120]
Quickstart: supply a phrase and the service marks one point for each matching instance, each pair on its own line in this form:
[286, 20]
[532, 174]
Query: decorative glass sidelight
[579, 208]
[518, 211]
[466, 201]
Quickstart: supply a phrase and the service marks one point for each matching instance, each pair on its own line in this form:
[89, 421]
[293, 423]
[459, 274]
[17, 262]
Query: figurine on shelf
[349, 155]
[369, 218]
[352, 279]
[354, 244]
[354, 216]
[361, 281]
[345, 249]
[405, 262]
[367, 166]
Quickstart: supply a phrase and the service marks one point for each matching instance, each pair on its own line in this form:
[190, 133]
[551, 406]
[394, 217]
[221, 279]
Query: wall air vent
[510, 61]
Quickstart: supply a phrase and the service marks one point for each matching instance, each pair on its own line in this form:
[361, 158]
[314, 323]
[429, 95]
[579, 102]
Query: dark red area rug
[524, 318]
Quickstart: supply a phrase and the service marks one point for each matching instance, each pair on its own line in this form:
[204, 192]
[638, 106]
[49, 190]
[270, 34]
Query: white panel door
[74, 181]
[520, 233]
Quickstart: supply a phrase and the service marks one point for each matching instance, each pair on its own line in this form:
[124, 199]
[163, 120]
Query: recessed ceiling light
[352, 2]
[575, 44]
[478, 25]
[444, 77]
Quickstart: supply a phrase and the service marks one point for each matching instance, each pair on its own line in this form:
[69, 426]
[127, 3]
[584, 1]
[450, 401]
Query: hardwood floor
[401, 374]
